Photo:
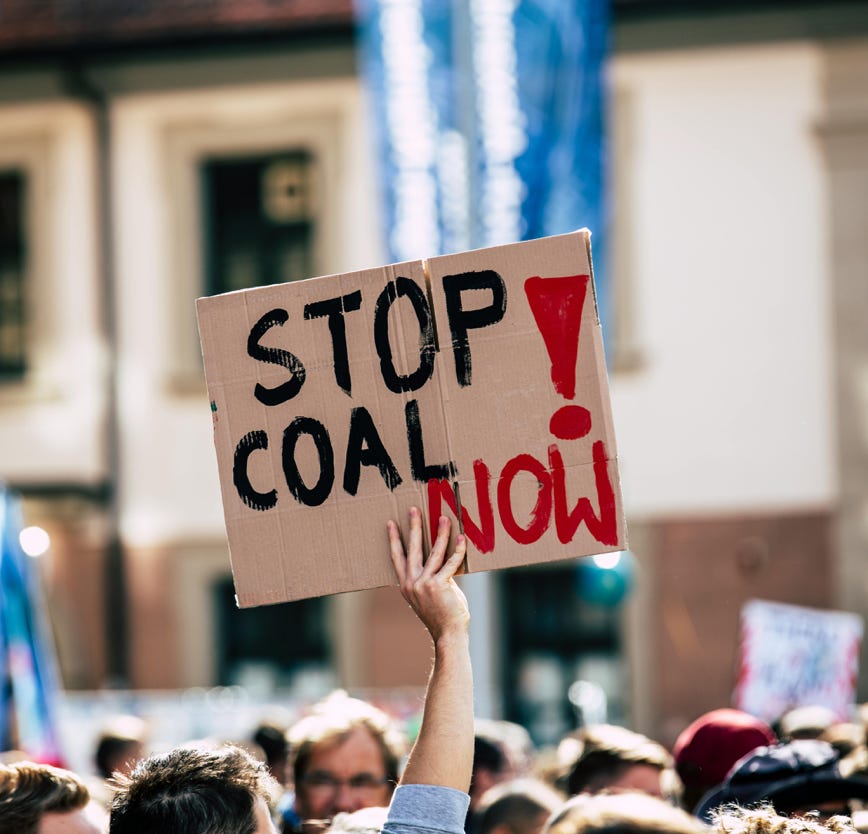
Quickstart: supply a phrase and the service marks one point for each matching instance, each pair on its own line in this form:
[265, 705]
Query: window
[556, 644]
[259, 220]
[13, 267]
[284, 645]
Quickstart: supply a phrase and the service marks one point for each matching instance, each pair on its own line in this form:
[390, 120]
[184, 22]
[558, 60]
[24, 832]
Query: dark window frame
[15, 186]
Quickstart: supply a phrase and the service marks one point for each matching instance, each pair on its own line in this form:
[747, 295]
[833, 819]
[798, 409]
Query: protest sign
[471, 385]
[793, 656]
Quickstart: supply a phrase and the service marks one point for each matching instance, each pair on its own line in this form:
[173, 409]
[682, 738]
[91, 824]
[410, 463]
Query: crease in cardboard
[269, 421]
[345, 560]
[443, 391]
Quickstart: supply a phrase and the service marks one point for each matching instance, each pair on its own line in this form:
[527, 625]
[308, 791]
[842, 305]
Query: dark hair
[122, 736]
[488, 755]
[191, 791]
[517, 804]
[272, 739]
[28, 790]
[606, 752]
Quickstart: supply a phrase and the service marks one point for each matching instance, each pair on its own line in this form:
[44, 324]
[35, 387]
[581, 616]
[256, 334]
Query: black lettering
[315, 495]
[461, 320]
[334, 309]
[420, 470]
[395, 382]
[252, 498]
[365, 448]
[274, 356]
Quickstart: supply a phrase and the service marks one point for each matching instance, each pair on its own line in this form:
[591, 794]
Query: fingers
[396, 551]
[414, 549]
[438, 549]
[453, 564]
[409, 564]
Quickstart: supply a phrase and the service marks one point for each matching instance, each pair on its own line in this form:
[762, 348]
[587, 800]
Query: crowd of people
[344, 767]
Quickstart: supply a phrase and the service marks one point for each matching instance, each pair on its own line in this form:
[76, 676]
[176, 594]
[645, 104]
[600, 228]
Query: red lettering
[605, 528]
[540, 516]
[551, 499]
[556, 304]
[481, 535]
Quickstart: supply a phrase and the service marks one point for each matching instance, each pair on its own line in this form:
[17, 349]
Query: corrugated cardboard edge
[204, 322]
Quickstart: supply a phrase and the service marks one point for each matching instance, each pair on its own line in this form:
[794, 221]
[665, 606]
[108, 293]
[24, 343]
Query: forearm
[443, 752]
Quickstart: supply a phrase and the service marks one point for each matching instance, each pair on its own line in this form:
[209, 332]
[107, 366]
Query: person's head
[612, 758]
[120, 744]
[491, 766]
[502, 751]
[192, 790]
[520, 806]
[623, 813]
[796, 777]
[345, 756]
[706, 749]
[271, 737]
[806, 722]
[845, 736]
[40, 799]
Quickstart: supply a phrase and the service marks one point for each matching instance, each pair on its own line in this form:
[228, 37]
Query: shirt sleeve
[426, 809]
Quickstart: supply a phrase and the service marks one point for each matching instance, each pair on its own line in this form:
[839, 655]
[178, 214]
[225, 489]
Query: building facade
[150, 158]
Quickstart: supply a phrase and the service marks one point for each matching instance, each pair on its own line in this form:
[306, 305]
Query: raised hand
[443, 752]
[429, 585]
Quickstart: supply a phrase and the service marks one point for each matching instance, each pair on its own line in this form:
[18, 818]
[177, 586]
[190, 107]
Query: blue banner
[27, 664]
[489, 116]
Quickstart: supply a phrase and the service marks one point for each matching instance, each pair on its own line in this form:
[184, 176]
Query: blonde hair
[622, 813]
[29, 790]
[332, 720]
[600, 753]
[364, 821]
[763, 819]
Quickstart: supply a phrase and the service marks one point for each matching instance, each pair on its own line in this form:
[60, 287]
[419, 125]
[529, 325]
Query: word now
[551, 501]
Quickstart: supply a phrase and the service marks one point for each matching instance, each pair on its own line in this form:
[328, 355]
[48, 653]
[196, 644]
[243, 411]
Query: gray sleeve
[426, 808]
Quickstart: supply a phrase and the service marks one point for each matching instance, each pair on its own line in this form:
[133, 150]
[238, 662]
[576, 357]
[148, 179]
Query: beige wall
[705, 569]
[740, 175]
[844, 136]
[720, 238]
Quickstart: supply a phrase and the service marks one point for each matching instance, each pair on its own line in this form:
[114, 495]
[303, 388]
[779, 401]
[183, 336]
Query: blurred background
[152, 152]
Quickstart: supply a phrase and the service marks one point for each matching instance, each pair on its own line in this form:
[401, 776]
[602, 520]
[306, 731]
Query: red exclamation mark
[556, 304]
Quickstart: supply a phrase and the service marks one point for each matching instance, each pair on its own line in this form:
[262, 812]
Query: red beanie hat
[707, 749]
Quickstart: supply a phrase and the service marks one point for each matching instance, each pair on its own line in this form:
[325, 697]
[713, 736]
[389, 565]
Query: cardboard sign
[793, 656]
[470, 385]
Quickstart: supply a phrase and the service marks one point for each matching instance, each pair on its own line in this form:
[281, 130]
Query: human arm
[443, 752]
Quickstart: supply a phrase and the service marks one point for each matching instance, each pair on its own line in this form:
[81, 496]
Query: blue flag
[489, 117]
[27, 663]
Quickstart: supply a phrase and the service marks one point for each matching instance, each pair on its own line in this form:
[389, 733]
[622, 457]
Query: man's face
[69, 822]
[638, 777]
[345, 776]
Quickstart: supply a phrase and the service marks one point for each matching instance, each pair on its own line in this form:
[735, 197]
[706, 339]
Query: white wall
[722, 217]
[724, 220]
[170, 487]
[50, 423]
